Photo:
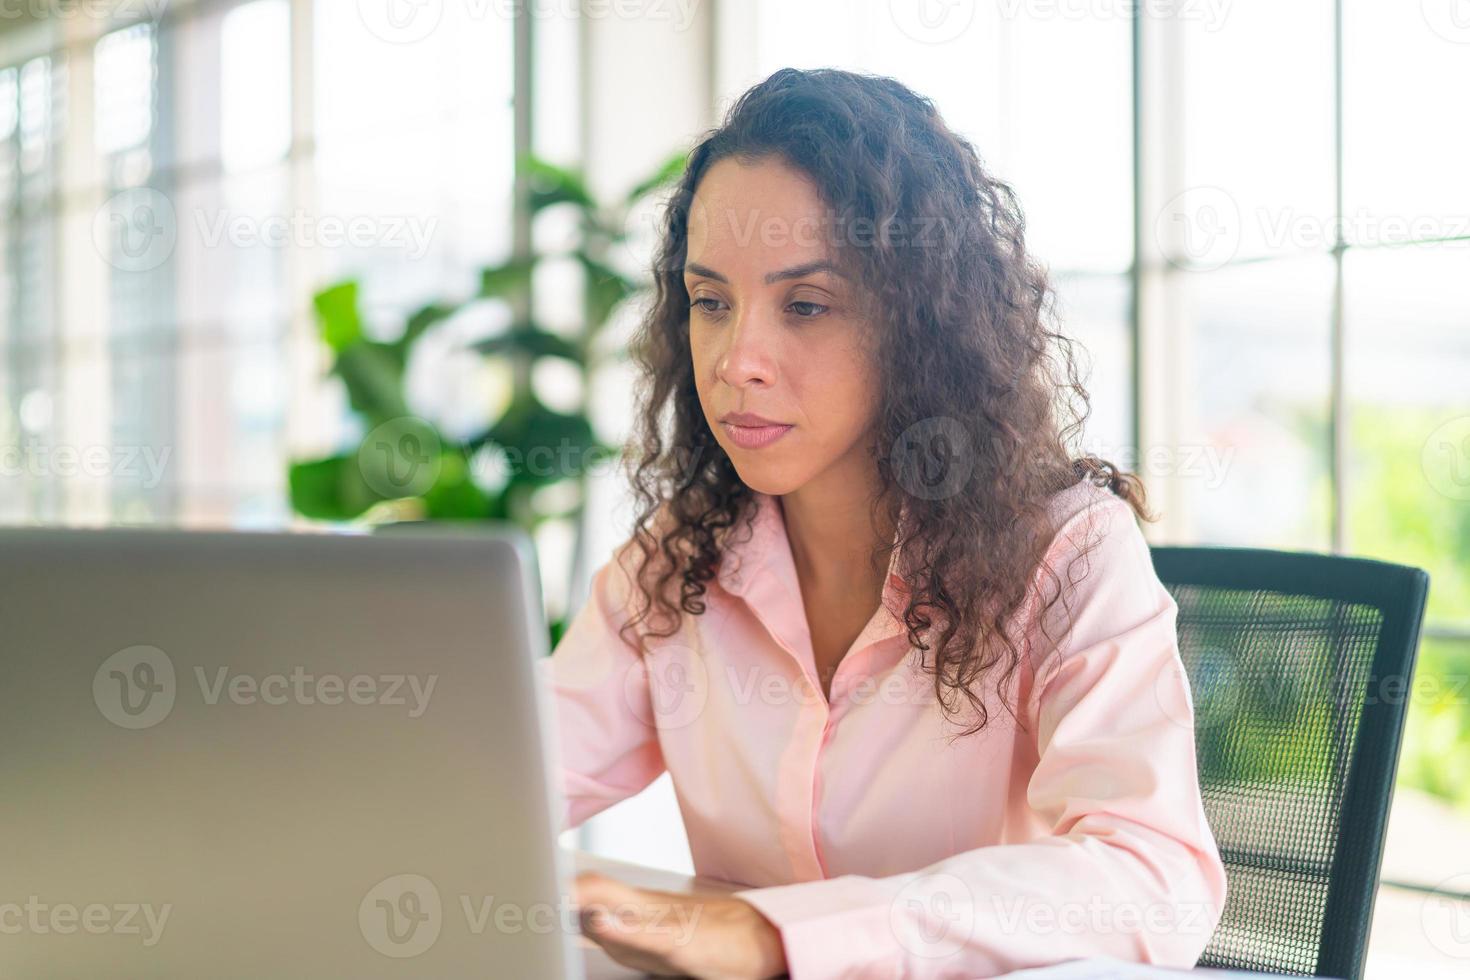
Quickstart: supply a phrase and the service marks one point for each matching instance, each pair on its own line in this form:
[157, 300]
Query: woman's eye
[804, 309]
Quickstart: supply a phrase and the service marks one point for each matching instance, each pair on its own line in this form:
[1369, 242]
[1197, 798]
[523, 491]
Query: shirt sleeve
[607, 744]
[1130, 868]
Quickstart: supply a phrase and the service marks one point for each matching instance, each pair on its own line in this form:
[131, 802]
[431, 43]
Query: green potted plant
[404, 468]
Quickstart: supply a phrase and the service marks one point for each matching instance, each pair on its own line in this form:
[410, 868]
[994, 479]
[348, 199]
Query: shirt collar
[764, 552]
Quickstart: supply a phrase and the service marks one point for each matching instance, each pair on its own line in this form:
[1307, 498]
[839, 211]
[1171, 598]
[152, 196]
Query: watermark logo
[135, 688]
[932, 458]
[400, 458]
[932, 21]
[832, 228]
[1450, 19]
[669, 688]
[106, 12]
[1445, 916]
[404, 915]
[401, 916]
[144, 465]
[300, 229]
[1212, 698]
[1201, 225]
[299, 687]
[138, 687]
[693, 212]
[568, 458]
[39, 918]
[400, 21]
[1286, 228]
[1210, 13]
[1445, 458]
[1209, 464]
[933, 915]
[1202, 228]
[136, 229]
[411, 21]
[1099, 916]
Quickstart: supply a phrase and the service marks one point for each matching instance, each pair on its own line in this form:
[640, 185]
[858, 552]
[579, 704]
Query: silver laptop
[285, 755]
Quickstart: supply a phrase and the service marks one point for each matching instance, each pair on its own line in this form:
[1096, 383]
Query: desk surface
[646, 877]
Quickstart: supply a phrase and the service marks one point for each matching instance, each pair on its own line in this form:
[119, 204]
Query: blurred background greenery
[1401, 514]
[404, 468]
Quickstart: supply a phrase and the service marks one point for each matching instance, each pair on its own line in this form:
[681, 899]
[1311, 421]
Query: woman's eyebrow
[795, 272]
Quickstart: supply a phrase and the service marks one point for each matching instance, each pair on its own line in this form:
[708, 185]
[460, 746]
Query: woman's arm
[607, 744]
[1131, 868]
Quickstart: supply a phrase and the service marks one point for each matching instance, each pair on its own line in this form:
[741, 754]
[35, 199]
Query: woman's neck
[830, 528]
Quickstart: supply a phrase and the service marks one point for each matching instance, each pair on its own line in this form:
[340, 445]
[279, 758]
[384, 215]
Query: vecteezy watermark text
[33, 458]
[137, 687]
[40, 918]
[299, 687]
[302, 229]
[403, 915]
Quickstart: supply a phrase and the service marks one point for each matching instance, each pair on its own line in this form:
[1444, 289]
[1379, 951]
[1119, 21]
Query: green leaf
[373, 374]
[402, 458]
[551, 184]
[421, 321]
[671, 170]
[330, 489]
[500, 281]
[337, 315]
[606, 288]
[556, 629]
[543, 446]
[455, 495]
[530, 339]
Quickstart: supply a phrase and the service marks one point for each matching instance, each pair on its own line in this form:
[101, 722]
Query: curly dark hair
[962, 344]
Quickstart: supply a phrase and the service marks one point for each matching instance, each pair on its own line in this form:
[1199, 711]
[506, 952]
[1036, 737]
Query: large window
[32, 120]
[1307, 327]
[1286, 358]
[174, 190]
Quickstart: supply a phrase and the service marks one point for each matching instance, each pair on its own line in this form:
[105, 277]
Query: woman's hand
[671, 934]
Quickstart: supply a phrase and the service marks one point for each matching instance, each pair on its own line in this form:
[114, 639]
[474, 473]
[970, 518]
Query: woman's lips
[754, 436]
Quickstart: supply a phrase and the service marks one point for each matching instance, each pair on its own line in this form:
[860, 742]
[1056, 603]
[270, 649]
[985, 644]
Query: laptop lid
[267, 754]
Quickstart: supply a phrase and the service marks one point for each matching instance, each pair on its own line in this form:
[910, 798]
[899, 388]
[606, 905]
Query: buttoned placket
[765, 577]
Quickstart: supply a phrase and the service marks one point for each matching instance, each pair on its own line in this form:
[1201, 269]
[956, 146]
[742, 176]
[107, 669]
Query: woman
[905, 658]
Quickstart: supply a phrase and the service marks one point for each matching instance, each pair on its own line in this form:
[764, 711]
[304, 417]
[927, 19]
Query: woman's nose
[749, 355]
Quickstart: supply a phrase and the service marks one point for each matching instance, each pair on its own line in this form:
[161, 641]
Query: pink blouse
[878, 848]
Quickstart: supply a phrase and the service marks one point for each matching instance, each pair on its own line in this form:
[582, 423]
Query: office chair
[1300, 666]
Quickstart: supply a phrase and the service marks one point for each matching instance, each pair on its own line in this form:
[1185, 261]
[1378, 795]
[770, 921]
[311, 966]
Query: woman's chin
[766, 478]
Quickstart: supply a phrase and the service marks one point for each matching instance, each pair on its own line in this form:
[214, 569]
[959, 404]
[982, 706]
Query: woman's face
[775, 330]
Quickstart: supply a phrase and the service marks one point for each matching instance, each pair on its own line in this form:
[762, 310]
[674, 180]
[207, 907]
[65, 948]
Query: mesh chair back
[1300, 667]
